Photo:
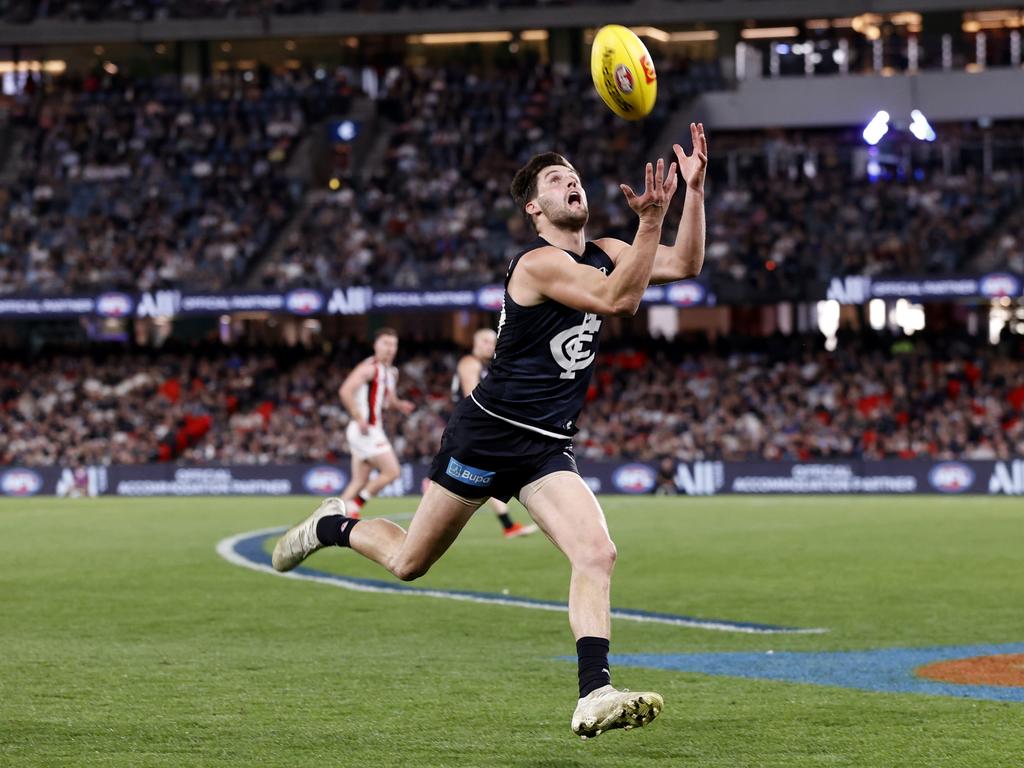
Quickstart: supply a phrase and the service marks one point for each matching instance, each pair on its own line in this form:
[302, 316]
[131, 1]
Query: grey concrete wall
[837, 100]
[638, 12]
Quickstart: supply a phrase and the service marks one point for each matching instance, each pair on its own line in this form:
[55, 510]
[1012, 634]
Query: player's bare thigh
[439, 519]
[565, 508]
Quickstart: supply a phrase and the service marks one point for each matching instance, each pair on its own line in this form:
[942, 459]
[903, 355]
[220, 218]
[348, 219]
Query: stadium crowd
[793, 212]
[769, 400]
[437, 213]
[140, 184]
[25, 11]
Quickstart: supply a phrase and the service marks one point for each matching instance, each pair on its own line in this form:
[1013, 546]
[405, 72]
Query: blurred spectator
[438, 213]
[145, 10]
[748, 399]
[139, 185]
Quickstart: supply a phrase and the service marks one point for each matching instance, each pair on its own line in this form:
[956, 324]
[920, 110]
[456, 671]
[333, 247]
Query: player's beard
[566, 216]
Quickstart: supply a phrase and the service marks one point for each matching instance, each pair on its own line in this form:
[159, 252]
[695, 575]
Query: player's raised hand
[658, 192]
[693, 166]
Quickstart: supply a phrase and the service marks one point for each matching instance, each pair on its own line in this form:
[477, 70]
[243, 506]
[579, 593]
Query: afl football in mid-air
[623, 72]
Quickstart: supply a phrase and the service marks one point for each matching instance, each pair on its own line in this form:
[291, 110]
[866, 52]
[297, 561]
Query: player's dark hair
[385, 332]
[524, 183]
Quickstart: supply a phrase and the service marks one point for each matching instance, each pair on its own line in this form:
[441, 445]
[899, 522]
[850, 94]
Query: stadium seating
[190, 189]
[138, 184]
[742, 399]
[146, 10]
[437, 214]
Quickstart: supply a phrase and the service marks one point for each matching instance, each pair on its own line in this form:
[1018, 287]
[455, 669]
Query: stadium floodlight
[346, 130]
[828, 321]
[920, 126]
[909, 316]
[876, 314]
[877, 128]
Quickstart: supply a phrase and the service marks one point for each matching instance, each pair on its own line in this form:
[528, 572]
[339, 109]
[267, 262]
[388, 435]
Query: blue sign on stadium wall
[354, 300]
[361, 300]
[695, 478]
[859, 289]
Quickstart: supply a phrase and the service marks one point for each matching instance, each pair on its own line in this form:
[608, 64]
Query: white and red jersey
[371, 396]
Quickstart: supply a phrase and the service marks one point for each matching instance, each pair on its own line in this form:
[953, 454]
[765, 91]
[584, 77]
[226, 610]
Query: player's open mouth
[575, 197]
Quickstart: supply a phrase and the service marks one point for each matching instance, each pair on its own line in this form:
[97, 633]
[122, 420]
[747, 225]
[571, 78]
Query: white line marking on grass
[246, 550]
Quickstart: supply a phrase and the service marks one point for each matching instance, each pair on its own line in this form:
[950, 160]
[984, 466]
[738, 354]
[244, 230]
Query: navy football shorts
[484, 456]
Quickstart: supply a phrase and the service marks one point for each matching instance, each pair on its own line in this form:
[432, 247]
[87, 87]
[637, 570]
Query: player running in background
[365, 393]
[471, 370]
[513, 434]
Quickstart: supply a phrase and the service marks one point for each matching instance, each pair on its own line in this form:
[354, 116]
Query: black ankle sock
[334, 530]
[593, 664]
[506, 520]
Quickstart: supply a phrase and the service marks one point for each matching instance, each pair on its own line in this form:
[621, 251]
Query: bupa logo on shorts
[20, 482]
[325, 480]
[999, 284]
[464, 473]
[304, 302]
[951, 477]
[490, 297]
[634, 478]
[686, 294]
[114, 305]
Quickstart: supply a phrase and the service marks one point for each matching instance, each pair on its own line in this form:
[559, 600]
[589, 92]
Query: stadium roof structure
[473, 19]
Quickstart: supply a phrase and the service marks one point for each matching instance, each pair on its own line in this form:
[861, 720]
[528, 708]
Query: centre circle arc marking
[246, 550]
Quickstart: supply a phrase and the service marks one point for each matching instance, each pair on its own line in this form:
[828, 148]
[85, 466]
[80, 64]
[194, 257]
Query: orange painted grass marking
[1005, 669]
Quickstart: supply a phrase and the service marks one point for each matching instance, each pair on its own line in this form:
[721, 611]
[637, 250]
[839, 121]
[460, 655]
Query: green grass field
[125, 640]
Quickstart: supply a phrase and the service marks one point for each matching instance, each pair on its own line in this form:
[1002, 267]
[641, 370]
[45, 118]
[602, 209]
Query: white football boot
[300, 541]
[607, 708]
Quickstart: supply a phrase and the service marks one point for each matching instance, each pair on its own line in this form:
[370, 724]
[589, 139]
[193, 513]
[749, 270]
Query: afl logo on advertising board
[999, 284]
[686, 294]
[303, 302]
[114, 305]
[20, 482]
[634, 478]
[325, 480]
[490, 297]
[951, 477]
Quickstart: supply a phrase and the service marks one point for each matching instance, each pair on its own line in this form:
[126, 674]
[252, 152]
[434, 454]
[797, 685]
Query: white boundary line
[226, 548]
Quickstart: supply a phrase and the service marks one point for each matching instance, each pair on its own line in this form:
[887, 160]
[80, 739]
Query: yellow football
[623, 72]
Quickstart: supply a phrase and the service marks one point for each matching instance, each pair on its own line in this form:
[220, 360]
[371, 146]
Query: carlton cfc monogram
[571, 348]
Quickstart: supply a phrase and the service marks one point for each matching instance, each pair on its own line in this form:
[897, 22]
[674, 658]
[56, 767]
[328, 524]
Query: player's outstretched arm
[550, 273]
[685, 257]
[405, 407]
[360, 375]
